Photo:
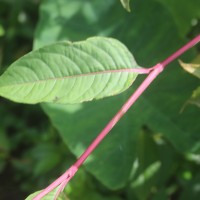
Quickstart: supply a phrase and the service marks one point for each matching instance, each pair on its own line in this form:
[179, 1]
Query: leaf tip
[126, 5]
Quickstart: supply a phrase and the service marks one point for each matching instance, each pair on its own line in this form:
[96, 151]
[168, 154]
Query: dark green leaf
[185, 13]
[192, 189]
[82, 186]
[117, 148]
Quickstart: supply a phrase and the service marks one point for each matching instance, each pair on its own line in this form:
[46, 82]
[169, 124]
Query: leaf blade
[70, 72]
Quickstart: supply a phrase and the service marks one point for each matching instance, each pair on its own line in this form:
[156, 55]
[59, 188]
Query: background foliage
[154, 151]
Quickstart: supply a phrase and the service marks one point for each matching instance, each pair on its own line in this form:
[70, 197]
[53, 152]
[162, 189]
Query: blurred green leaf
[194, 69]
[156, 164]
[195, 98]
[185, 13]
[191, 68]
[45, 157]
[126, 4]
[2, 31]
[145, 176]
[192, 189]
[149, 165]
[4, 141]
[161, 195]
[85, 19]
[4, 148]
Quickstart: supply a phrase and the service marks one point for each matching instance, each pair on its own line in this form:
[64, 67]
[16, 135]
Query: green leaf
[68, 72]
[53, 28]
[191, 68]
[49, 196]
[126, 4]
[156, 160]
[149, 165]
[45, 157]
[195, 98]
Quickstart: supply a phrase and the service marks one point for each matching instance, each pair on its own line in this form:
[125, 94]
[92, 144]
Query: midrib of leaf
[127, 70]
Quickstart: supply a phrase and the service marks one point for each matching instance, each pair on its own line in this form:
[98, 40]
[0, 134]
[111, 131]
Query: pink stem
[154, 71]
[158, 68]
[181, 51]
[65, 177]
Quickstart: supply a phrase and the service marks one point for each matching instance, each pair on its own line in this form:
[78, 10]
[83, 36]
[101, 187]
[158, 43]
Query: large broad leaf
[152, 36]
[70, 72]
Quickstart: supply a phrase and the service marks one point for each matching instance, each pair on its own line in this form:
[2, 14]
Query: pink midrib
[128, 70]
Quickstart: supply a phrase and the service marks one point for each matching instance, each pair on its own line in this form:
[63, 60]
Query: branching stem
[153, 73]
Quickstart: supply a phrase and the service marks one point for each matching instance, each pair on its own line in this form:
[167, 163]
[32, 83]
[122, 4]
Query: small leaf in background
[191, 68]
[195, 98]
[194, 69]
[126, 4]
[66, 72]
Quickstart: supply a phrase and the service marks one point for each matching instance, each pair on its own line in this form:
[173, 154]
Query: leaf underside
[67, 72]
